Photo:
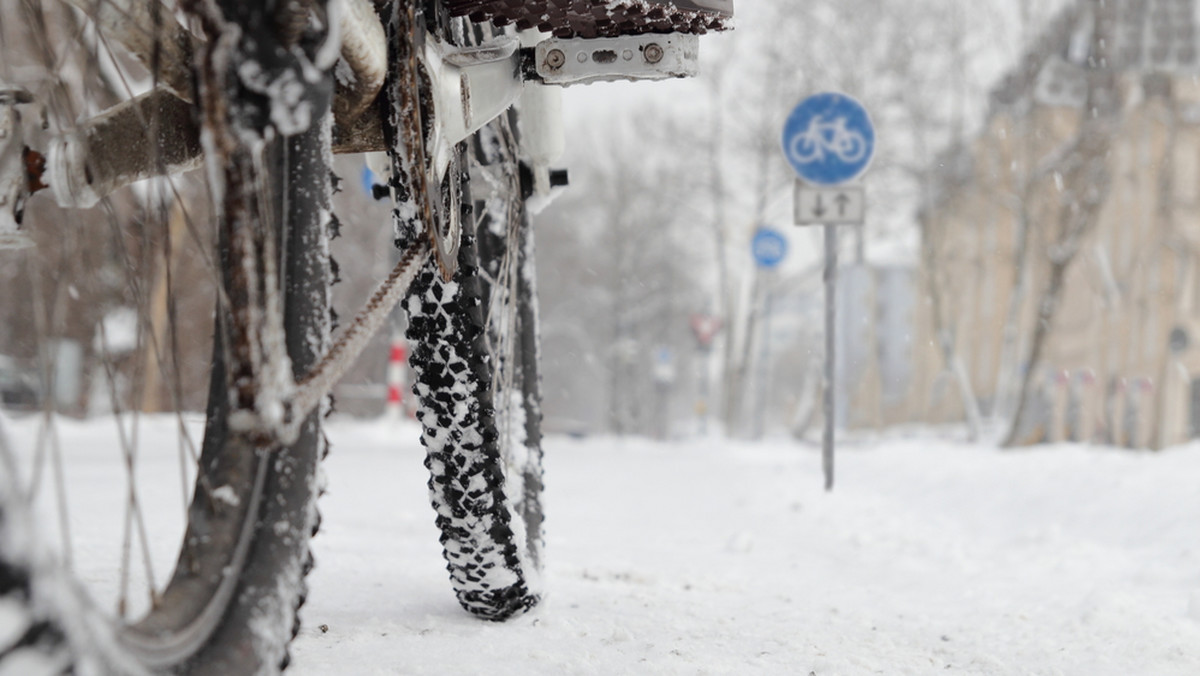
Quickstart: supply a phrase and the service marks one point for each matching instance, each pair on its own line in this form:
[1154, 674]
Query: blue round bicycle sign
[769, 247]
[829, 139]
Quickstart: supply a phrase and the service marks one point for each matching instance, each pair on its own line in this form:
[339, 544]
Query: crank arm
[471, 87]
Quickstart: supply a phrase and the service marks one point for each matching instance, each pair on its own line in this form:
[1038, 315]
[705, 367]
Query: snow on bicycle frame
[470, 86]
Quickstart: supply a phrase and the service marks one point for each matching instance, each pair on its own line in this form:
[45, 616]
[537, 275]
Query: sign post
[829, 140]
[664, 377]
[705, 327]
[769, 248]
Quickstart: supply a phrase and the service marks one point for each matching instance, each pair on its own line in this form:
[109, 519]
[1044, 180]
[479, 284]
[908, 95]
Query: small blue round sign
[769, 247]
[829, 139]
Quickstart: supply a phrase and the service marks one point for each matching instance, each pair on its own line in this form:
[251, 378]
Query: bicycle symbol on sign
[831, 137]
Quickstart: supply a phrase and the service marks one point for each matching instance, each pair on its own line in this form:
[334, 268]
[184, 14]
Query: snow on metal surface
[601, 18]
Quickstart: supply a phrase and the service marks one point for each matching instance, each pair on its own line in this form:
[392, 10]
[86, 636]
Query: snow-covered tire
[485, 489]
[490, 523]
[511, 306]
[262, 616]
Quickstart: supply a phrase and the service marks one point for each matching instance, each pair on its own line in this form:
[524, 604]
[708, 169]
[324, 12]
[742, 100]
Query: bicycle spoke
[133, 517]
[150, 33]
[156, 349]
[49, 448]
[155, 365]
[502, 309]
[146, 263]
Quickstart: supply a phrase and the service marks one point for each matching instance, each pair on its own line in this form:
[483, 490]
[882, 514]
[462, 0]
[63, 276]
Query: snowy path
[712, 558]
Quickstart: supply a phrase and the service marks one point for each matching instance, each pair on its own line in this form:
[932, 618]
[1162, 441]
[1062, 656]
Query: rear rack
[601, 18]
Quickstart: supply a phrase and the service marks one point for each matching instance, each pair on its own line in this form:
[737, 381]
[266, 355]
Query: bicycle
[263, 95]
[823, 137]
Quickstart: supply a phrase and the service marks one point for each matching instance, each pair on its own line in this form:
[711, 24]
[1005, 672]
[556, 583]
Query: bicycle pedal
[601, 18]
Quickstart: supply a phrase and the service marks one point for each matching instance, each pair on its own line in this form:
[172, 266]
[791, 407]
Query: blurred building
[1121, 364]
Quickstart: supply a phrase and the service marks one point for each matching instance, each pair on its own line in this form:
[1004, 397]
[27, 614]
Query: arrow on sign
[815, 206]
[842, 200]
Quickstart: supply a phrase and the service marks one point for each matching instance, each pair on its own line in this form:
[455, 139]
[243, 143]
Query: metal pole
[704, 359]
[831, 253]
[764, 373]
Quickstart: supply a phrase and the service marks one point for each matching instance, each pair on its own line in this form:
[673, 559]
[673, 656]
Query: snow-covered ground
[713, 557]
[709, 557]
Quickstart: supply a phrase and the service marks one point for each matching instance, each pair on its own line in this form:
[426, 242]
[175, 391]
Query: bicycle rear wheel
[476, 380]
[230, 605]
[477, 386]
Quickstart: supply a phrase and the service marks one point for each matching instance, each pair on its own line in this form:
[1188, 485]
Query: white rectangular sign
[830, 206]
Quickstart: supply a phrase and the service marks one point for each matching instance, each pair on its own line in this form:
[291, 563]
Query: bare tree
[619, 274]
[912, 68]
[1027, 172]
[1085, 175]
[953, 168]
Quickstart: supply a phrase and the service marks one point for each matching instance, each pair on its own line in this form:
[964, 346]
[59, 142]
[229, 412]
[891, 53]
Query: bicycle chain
[414, 210]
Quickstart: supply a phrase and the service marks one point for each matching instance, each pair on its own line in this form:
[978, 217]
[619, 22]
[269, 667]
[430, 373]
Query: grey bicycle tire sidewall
[261, 619]
[530, 377]
[258, 626]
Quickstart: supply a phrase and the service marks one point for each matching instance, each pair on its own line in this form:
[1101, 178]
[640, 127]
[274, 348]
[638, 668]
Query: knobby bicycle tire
[260, 617]
[481, 432]
[491, 546]
[484, 484]
[231, 604]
